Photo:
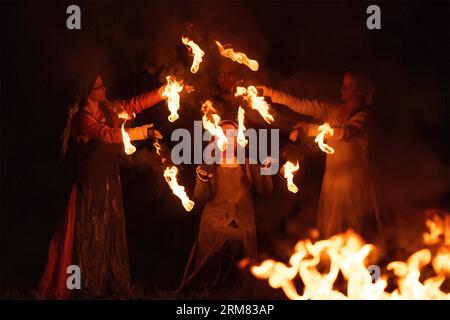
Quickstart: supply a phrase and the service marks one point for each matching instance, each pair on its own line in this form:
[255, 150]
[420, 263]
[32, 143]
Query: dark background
[302, 47]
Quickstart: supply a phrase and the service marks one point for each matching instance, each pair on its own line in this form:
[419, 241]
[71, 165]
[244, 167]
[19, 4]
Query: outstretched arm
[356, 126]
[86, 127]
[140, 103]
[313, 108]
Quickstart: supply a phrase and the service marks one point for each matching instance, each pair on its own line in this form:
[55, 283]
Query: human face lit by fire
[98, 92]
[227, 78]
[350, 89]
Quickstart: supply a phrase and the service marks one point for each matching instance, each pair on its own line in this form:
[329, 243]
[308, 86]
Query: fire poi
[172, 94]
[170, 174]
[238, 57]
[256, 102]
[211, 123]
[289, 170]
[241, 128]
[195, 51]
[157, 146]
[128, 147]
[345, 256]
[324, 130]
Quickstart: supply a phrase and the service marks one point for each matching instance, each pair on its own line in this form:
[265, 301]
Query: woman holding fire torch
[347, 199]
[91, 234]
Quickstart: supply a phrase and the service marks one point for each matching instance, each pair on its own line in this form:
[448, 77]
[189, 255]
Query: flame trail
[241, 128]
[170, 174]
[289, 169]
[238, 57]
[213, 126]
[172, 93]
[256, 102]
[128, 147]
[195, 50]
[324, 130]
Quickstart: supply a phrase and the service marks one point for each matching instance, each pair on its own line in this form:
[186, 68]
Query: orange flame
[172, 93]
[324, 130]
[213, 126]
[238, 57]
[346, 254]
[170, 174]
[438, 230]
[157, 147]
[289, 169]
[128, 147]
[256, 102]
[195, 50]
[241, 128]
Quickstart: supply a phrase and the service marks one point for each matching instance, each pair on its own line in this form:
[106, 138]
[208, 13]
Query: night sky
[302, 47]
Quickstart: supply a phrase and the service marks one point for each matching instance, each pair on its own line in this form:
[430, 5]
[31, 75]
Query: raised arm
[138, 104]
[313, 108]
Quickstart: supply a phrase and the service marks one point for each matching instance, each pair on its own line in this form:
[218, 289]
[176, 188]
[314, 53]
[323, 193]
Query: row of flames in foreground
[347, 254]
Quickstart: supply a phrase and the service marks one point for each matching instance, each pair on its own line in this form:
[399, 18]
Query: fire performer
[227, 231]
[91, 234]
[225, 102]
[347, 198]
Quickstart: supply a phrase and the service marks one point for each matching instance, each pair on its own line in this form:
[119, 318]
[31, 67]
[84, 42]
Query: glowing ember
[170, 174]
[324, 130]
[256, 102]
[157, 147]
[347, 254]
[209, 113]
[289, 169]
[172, 93]
[128, 147]
[241, 128]
[238, 57]
[195, 50]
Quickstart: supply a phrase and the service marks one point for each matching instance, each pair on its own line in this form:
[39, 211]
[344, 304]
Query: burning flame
[251, 95]
[238, 57]
[195, 50]
[172, 93]
[213, 126]
[241, 128]
[324, 130]
[170, 174]
[346, 254]
[289, 169]
[157, 147]
[129, 148]
[438, 228]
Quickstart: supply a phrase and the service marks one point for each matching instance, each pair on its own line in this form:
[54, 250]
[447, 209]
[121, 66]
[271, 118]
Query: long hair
[81, 95]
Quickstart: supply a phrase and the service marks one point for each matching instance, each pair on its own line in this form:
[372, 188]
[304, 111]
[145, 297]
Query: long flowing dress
[347, 198]
[91, 234]
[227, 230]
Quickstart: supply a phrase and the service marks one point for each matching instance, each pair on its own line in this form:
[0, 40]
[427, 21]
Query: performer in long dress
[91, 233]
[347, 198]
[227, 230]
